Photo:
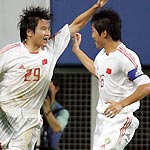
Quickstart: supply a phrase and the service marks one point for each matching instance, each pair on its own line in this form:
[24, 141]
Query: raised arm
[82, 19]
[85, 60]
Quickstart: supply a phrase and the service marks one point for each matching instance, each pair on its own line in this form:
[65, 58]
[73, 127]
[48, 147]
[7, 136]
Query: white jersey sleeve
[4, 56]
[132, 67]
[59, 41]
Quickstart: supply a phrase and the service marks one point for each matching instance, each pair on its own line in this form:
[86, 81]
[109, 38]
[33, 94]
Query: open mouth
[45, 39]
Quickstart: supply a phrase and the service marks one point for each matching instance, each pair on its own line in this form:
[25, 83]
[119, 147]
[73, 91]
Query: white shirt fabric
[119, 73]
[25, 76]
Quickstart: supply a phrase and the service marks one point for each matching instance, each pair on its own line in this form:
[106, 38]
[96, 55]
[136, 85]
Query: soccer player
[26, 69]
[119, 74]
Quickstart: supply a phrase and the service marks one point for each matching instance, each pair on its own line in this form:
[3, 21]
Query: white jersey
[25, 76]
[119, 73]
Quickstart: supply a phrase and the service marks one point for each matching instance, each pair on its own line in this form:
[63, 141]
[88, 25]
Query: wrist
[97, 5]
[100, 3]
[47, 113]
[123, 104]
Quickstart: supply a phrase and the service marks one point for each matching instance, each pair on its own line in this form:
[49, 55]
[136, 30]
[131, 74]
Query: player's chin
[97, 46]
[45, 43]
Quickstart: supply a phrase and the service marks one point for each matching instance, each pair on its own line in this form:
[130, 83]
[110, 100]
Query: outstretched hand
[113, 109]
[101, 3]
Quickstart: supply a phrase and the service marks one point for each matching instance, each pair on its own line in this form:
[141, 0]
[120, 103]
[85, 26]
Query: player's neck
[31, 48]
[111, 46]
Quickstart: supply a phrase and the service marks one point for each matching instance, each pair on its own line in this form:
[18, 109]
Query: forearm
[86, 61]
[82, 19]
[139, 94]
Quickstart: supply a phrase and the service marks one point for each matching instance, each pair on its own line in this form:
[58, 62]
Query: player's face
[99, 40]
[42, 33]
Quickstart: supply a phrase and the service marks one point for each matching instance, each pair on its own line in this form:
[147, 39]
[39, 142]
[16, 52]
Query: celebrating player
[119, 74]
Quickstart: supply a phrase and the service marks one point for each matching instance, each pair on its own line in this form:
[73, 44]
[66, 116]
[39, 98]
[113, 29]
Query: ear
[104, 34]
[29, 32]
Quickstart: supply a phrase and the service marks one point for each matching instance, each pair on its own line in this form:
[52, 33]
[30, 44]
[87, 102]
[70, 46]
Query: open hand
[113, 109]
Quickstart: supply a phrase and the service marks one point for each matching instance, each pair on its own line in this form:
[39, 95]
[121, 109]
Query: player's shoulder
[125, 51]
[10, 47]
[101, 52]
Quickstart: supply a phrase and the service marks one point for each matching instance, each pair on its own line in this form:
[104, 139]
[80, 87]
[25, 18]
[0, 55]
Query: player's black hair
[30, 18]
[108, 20]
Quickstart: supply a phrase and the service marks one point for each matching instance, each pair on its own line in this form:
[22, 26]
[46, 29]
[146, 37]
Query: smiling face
[42, 32]
[40, 37]
[98, 38]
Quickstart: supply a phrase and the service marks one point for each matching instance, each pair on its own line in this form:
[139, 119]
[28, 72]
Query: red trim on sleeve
[128, 55]
[9, 47]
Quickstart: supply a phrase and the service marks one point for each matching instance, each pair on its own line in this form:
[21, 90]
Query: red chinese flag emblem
[44, 61]
[108, 71]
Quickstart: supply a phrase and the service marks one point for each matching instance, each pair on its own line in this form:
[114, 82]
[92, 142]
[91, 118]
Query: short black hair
[109, 20]
[30, 17]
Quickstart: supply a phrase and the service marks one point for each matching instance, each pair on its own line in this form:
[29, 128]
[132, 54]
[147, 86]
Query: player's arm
[115, 107]
[85, 60]
[134, 73]
[82, 19]
[139, 94]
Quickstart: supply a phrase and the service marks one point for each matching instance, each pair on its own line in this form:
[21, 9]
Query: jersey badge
[108, 70]
[44, 61]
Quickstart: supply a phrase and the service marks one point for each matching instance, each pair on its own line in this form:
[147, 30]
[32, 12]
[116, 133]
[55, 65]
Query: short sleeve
[3, 58]
[60, 40]
[131, 62]
[62, 118]
[132, 68]
[135, 73]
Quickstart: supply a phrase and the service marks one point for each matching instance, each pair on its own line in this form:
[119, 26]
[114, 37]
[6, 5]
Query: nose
[92, 36]
[48, 33]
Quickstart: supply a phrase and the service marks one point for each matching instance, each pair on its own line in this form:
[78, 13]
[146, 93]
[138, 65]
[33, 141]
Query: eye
[43, 28]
